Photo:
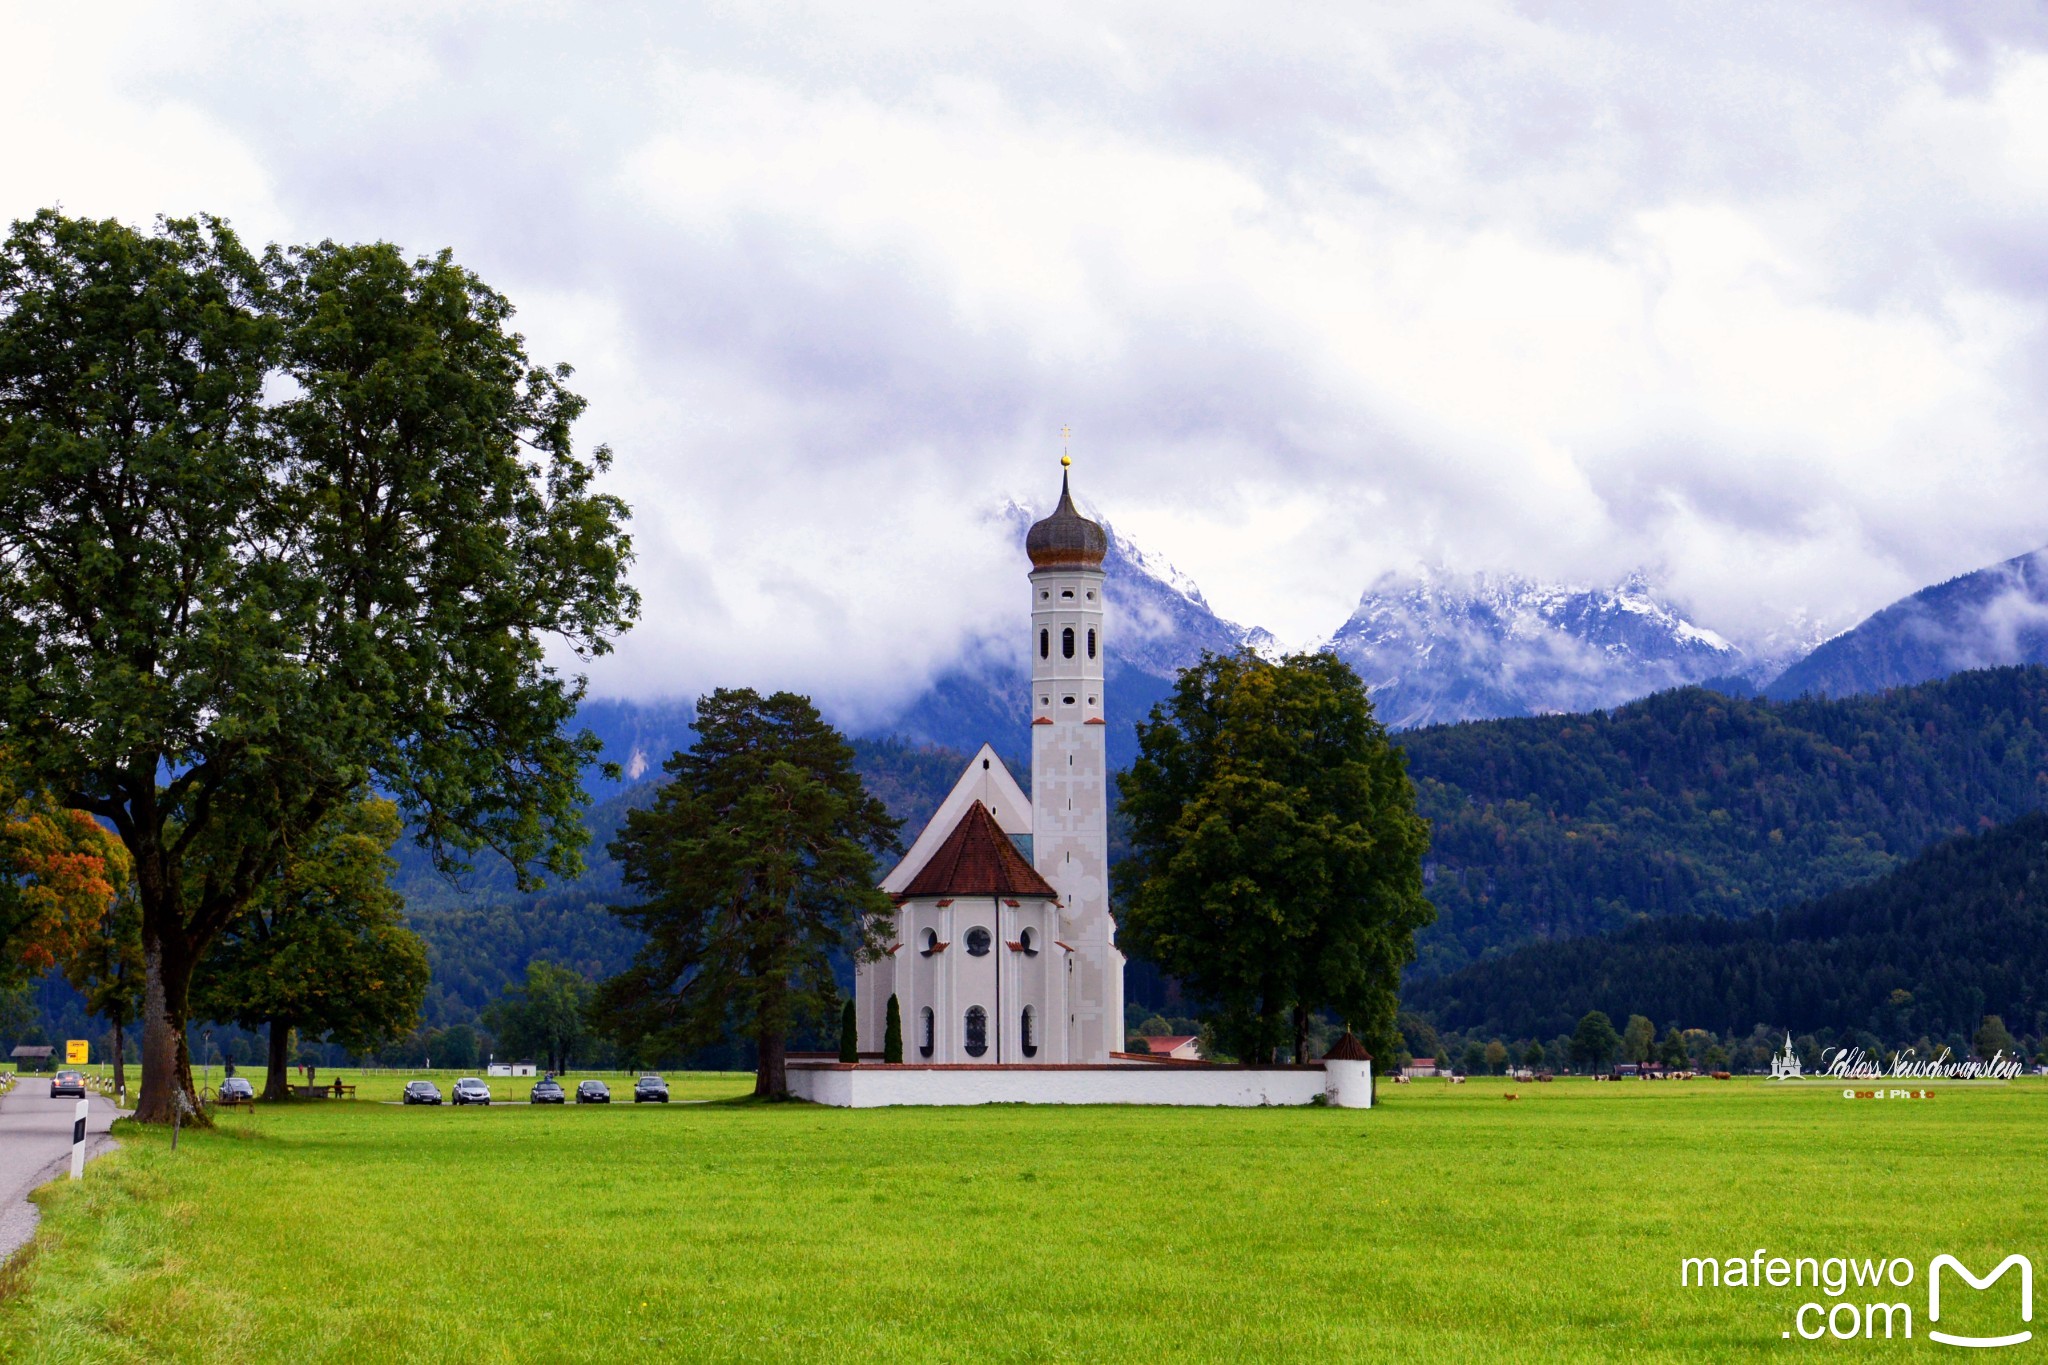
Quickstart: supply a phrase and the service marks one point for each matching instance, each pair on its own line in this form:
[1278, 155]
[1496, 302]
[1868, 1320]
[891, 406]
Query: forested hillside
[481, 931]
[1692, 802]
[1926, 951]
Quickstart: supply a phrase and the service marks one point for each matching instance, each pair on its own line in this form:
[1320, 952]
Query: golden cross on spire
[1065, 459]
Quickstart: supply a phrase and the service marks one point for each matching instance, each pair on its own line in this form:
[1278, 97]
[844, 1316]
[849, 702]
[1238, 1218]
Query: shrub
[892, 1033]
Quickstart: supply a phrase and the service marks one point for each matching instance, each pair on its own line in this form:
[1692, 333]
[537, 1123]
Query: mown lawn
[1445, 1225]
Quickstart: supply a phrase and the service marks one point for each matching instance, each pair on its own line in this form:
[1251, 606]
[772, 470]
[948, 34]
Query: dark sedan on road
[650, 1088]
[470, 1090]
[422, 1092]
[593, 1092]
[67, 1083]
[548, 1091]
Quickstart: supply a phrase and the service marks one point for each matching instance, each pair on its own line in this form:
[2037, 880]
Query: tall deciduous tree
[1595, 1042]
[1276, 857]
[323, 948]
[1638, 1039]
[756, 864]
[544, 1017]
[273, 531]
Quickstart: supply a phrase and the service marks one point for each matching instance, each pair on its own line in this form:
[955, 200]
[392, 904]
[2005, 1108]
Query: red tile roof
[1166, 1044]
[1348, 1049]
[978, 859]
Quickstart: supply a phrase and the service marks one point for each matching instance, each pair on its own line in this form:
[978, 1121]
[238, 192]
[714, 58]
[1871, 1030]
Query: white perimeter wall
[870, 1087]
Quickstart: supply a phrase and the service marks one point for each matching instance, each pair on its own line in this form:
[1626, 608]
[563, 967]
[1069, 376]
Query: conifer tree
[755, 865]
[849, 1042]
[892, 1033]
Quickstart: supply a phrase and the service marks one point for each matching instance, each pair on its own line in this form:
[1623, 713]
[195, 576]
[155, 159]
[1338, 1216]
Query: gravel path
[35, 1146]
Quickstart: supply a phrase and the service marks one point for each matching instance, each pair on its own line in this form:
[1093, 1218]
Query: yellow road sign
[75, 1053]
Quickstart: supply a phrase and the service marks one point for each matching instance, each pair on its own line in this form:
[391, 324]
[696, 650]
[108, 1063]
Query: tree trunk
[277, 1084]
[771, 1074]
[166, 1060]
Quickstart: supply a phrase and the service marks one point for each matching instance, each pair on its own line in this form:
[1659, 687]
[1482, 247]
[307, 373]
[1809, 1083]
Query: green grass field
[1445, 1225]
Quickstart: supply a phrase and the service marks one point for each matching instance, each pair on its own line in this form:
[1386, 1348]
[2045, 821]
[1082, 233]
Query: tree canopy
[323, 948]
[544, 1017]
[755, 866]
[1276, 857]
[274, 530]
[60, 875]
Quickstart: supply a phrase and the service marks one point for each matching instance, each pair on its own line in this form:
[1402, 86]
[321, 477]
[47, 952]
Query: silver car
[470, 1090]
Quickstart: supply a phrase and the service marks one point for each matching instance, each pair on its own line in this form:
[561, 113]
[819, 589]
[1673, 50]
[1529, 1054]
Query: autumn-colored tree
[60, 873]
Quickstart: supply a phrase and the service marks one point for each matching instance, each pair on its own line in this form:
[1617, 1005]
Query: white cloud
[1751, 296]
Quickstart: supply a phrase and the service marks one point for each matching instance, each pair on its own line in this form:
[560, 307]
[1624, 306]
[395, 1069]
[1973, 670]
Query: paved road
[35, 1146]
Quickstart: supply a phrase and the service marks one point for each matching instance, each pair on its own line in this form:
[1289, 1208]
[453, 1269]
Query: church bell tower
[1070, 772]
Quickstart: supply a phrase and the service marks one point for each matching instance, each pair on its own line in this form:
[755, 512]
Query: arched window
[1067, 642]
[1091, 642]
[929, 1032]
[977, 1030]
[977, 942]
[1045, 644]
[1027, 943]
[931, 942]
[1027, 1035]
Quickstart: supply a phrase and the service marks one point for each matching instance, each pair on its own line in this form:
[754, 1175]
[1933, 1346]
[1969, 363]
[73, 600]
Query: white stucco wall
[870, 1087]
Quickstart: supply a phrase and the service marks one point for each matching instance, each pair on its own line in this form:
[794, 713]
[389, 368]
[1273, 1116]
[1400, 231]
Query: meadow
[1447, 1224]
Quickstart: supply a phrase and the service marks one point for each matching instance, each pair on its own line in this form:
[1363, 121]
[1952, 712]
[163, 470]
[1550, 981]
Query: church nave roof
[978, 859]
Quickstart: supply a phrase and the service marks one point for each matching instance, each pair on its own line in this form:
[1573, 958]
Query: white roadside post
[78, 1142]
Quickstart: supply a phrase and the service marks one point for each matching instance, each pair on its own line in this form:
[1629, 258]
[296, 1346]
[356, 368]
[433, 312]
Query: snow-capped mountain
[1992, 617]
[1156, 622]
[1438, 646]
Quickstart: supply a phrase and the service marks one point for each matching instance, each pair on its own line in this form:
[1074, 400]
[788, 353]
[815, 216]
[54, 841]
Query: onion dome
[1066, 539]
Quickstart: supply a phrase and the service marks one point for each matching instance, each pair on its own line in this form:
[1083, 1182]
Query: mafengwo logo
[1861, 1298]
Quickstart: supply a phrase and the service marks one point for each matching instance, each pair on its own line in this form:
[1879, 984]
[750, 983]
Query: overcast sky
[1751, 297]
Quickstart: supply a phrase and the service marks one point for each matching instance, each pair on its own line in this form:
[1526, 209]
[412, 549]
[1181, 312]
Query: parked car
[237, 1088]
[470, 1090]
[650, 1088]
[548, 1091]
[422, 1092]
[593, 1092]
[67, 1083]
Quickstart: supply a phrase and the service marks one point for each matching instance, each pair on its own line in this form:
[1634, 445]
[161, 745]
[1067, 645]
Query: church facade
[997, 958]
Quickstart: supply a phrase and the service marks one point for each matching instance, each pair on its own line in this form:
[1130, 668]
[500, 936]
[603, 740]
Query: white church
[1005, 968]
[995, 959]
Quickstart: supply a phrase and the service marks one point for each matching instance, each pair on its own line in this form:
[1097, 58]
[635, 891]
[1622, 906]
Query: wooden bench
[248, 1103]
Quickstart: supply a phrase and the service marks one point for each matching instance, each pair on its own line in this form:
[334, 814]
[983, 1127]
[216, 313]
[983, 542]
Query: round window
[977, 941]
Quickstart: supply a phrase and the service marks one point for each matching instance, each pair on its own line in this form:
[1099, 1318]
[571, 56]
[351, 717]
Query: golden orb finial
[1066, 460]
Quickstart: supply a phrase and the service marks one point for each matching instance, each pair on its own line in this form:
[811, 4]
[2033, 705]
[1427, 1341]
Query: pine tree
[849, 1045]
[753, 869]
[892, 1033]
